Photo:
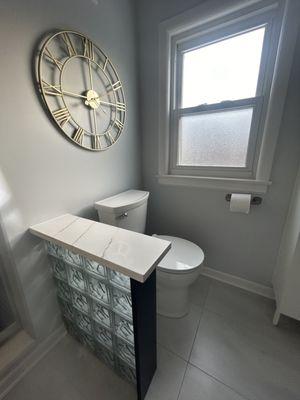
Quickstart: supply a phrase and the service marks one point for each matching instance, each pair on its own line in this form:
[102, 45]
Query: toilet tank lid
[183, 256]
[123, 201]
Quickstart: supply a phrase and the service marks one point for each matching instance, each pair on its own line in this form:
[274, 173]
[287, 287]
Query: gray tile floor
[225, 349]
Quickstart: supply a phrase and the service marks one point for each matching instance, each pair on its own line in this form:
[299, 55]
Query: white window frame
[263, 85]
[208, 22]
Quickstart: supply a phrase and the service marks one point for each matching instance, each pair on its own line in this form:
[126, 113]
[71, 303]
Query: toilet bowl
[175, 273]
[177, 270]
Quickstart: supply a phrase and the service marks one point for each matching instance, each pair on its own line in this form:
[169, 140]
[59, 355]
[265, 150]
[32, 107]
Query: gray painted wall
[43, 175]
[242, 245]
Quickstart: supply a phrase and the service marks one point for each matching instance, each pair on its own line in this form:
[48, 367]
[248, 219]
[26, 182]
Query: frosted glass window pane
[218, 139]
[225, 70]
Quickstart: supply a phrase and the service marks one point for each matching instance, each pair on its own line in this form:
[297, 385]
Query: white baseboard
[233, 280]
[23, 366]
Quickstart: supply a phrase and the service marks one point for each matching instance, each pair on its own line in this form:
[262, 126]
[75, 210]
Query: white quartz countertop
[134, 254]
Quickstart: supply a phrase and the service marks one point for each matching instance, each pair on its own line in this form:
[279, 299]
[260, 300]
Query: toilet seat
[184, 256]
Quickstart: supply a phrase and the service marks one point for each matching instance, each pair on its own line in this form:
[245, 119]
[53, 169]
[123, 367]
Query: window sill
[227, 184]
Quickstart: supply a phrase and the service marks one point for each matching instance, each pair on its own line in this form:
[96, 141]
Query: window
[219, 87]
[218, 95]
[218, 76]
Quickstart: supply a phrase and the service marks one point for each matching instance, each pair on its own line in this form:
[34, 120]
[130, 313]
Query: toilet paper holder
[255, 200]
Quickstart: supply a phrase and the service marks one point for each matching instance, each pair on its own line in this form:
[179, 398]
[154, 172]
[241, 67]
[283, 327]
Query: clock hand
[73, 94]
[98, 98]
[95, 121]
[56, 90]
[90, 74]
[104, 102]
[85, 97]
[94, 111]
[107, 103]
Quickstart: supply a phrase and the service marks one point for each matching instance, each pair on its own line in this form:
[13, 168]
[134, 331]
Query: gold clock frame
[64, 115]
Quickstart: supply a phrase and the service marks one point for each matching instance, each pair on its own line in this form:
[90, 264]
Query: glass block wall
[95, 302]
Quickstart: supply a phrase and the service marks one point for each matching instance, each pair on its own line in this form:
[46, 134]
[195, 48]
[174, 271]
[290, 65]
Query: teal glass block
[71, 258]
[95, 268]
[84, 322]
[76, 278]
[119, 279]
[103, 336]
[80, 301]
[101, 314]
[98, 289]
[87, 340]
[104, 354]
[125, 371]
[125, 351]
[67, 309]
[54, 250]
[59, 269]
[63, 290]
[96, 307]
[123, 328]
[122, 302]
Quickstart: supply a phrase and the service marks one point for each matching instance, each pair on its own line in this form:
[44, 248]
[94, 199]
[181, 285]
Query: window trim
[206, 16]
[185, 43]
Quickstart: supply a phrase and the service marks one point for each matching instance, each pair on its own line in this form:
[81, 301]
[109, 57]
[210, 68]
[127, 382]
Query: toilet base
[172, 292]
[172, 303]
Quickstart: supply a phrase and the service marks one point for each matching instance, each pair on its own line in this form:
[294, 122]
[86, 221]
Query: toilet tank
[127, 210]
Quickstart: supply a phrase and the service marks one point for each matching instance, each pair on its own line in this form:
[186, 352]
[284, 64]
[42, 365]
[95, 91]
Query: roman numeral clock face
[82, 90]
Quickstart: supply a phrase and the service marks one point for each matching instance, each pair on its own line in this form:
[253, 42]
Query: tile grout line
[228, 319]
[195, 366]
[208, 291]
[183, 378]
[182, 359]
[222, 315]
[201, 315]
[231, 320]
[213, 377]
[205, 297]
[172, 352]
[187, 364]
[196, 332]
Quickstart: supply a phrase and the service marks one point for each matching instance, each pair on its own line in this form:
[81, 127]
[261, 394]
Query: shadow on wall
[89, 213]
[27, 269]
[34, 72]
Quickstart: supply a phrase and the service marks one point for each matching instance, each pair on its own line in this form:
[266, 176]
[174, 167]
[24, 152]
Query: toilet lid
[183, 256]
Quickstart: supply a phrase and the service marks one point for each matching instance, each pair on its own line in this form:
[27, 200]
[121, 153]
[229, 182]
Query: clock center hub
[92, 100]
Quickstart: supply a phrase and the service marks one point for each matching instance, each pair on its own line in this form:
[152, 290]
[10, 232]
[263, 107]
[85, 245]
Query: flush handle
[122, 216]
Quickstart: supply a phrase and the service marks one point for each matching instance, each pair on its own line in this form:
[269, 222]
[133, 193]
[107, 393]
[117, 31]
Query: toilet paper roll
[240, 203]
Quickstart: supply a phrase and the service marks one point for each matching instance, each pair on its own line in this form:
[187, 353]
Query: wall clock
[82, 90]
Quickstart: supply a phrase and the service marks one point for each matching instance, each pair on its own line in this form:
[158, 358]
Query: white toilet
[177, 270]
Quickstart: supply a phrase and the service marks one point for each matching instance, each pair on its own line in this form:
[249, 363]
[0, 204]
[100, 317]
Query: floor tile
[91, 377]
[178, 334]
[199, 290]
[168, 377]
[45, 382]
[236, 303]
[259, 367]
[234, 351]
[69, 371]
[199, 386]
